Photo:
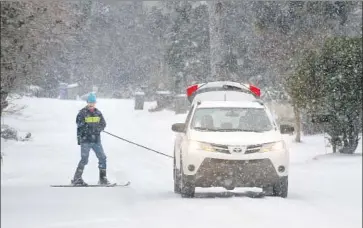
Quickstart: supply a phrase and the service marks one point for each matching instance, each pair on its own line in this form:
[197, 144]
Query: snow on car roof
[230, 104]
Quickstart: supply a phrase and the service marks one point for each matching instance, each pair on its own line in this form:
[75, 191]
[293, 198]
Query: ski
[93, 185]
[252, 194]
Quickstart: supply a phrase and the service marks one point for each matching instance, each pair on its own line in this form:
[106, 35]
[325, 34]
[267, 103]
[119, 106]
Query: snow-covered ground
[325, 190]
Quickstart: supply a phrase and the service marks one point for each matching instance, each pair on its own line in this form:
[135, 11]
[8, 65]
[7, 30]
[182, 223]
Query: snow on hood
[235, 138]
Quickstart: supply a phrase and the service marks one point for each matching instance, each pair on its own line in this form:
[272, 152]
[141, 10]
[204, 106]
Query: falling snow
[138, 58]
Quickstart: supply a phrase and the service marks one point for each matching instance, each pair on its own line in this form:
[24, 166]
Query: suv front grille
[253, 149]
[224, 148]
[221, 148]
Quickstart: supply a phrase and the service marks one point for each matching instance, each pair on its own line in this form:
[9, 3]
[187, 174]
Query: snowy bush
[9, 133]
[329, 82]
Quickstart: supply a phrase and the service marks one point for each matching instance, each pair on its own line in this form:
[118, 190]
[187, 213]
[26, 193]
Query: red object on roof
[255, 90]
[191, 89]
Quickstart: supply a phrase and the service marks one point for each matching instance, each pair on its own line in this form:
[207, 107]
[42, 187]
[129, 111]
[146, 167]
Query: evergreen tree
[329, 82]
[187, 51]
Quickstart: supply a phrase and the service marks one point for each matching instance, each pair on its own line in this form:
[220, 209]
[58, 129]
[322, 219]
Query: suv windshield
[231, 119]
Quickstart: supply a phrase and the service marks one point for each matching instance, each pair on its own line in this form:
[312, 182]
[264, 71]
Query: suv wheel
[176, 178]
[281, 187]
[187, 187]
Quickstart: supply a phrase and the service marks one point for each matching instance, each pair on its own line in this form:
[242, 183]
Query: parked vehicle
[229, 139]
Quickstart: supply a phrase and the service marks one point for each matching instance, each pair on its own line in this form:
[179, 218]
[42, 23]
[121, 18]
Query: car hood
[235, 138]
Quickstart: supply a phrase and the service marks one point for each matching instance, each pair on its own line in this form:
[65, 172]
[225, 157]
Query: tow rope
[147, 148]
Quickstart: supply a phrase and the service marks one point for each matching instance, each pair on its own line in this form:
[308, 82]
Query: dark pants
[98, 149]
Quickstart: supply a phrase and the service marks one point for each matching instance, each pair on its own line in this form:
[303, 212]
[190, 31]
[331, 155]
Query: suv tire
[281, 187]
[187, 187]
[176, 176]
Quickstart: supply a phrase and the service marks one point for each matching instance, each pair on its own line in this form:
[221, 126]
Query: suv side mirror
[286, 129]
[178, 127]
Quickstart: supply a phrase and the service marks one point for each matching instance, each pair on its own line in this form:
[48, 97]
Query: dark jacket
[89, 126]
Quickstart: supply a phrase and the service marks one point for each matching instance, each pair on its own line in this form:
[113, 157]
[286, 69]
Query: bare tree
[217, 47]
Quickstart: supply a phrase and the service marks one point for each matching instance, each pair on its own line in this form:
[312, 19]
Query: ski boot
[103, 180]
[79, 182]
[77, 179]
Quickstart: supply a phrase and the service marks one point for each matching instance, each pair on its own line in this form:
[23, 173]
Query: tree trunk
[217, 47]
[350, 137]
[297, 123]
[139, 101]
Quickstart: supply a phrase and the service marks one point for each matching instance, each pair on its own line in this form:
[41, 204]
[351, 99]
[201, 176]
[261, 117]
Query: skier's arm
[102, 122]
[80, 120]
[80, 123]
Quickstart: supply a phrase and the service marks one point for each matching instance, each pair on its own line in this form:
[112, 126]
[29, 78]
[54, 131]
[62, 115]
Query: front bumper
[235, 173]
[210, 169]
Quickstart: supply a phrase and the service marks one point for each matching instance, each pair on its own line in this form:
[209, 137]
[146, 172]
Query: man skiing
[90, 123]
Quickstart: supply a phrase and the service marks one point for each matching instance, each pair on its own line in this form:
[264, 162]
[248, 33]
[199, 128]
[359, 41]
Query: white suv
[229, 139]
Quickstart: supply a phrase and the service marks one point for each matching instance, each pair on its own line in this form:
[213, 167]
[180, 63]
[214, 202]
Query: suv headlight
[195, 145]
[272, 147]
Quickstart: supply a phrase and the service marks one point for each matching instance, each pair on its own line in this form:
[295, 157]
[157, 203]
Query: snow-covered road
[324, 190]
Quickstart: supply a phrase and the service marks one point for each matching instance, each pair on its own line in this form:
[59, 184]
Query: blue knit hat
[91, 98]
